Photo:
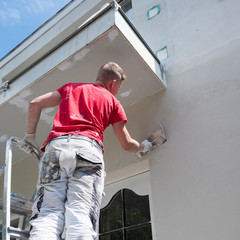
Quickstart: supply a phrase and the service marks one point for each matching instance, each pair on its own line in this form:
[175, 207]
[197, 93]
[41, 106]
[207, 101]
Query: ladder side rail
[7, 190]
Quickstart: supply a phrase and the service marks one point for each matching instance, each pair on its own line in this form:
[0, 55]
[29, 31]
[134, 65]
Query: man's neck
[101, 84]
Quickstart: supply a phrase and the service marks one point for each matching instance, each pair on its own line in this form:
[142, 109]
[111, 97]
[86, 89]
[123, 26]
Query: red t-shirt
[85, 109]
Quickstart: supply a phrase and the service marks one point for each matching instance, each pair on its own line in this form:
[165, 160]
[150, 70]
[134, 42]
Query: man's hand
[28, 145]
[147, 146]
[31, 139]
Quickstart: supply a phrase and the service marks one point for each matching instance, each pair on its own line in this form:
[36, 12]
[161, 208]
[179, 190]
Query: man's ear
[112, 83]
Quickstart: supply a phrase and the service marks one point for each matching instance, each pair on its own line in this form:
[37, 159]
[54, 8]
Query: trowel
[157, 138]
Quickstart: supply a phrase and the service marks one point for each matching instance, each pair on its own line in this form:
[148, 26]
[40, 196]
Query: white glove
[147, 146]
[31, 139]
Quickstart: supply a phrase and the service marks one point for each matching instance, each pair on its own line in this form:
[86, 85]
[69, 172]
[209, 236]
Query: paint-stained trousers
[69, 190]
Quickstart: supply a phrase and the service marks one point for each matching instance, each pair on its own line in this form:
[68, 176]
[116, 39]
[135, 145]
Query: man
[71, 170]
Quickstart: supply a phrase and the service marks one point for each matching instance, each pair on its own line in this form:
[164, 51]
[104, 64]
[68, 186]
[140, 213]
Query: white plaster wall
[195, 175]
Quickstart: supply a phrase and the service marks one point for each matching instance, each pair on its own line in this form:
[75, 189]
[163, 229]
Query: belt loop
[69, 137]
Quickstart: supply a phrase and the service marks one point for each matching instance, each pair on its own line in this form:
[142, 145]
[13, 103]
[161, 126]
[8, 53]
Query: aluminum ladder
[11, 202]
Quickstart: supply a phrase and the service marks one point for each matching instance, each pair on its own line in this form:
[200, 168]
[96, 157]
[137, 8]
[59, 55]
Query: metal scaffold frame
[20, 204]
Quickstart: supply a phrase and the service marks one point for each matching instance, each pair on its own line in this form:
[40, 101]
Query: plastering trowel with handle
[157, 138]
[26, 147]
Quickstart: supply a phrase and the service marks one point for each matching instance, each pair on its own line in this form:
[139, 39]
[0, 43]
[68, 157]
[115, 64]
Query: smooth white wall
[195, 175]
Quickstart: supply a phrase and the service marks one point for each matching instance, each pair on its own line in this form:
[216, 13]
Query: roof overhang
[106, 36]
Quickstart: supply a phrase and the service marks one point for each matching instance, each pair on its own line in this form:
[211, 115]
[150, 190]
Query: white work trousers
[69, 190]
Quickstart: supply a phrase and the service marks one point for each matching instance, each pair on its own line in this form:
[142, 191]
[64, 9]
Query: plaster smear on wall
[3, 138]
[46, 117]
[77, 57]
[81, 54]
[21, 103]
[113, 34]
[65, 66]
[49, 110]
[20, 100]
[126, 93]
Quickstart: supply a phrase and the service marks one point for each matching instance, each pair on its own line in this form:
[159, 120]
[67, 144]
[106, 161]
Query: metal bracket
[4, 87]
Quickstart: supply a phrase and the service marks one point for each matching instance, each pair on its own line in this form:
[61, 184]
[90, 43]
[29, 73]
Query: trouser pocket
[88, 164]
[50, 167]
[88, 182]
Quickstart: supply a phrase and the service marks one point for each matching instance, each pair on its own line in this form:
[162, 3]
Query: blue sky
[19, 18]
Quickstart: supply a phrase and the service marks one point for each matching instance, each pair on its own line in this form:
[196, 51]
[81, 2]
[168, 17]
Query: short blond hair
[110, 71]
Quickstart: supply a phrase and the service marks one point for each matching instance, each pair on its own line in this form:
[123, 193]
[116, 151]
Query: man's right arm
[129, 144]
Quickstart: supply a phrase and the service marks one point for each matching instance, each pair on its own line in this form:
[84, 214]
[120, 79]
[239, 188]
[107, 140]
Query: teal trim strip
[154, 7]
[165, 47]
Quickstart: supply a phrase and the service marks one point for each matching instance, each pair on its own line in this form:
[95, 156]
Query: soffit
[106, 36]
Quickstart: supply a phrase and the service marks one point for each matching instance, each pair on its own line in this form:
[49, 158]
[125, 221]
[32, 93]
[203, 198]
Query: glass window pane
[136, 208]
[140, 233]
[111, 215]
[112, 236]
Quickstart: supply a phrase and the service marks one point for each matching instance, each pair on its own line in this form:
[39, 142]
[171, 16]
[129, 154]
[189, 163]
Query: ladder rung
[18, 233]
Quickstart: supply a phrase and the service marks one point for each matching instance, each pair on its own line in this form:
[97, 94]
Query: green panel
[111, 215]
[112, 236]
[136, 208]
[140, 233]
